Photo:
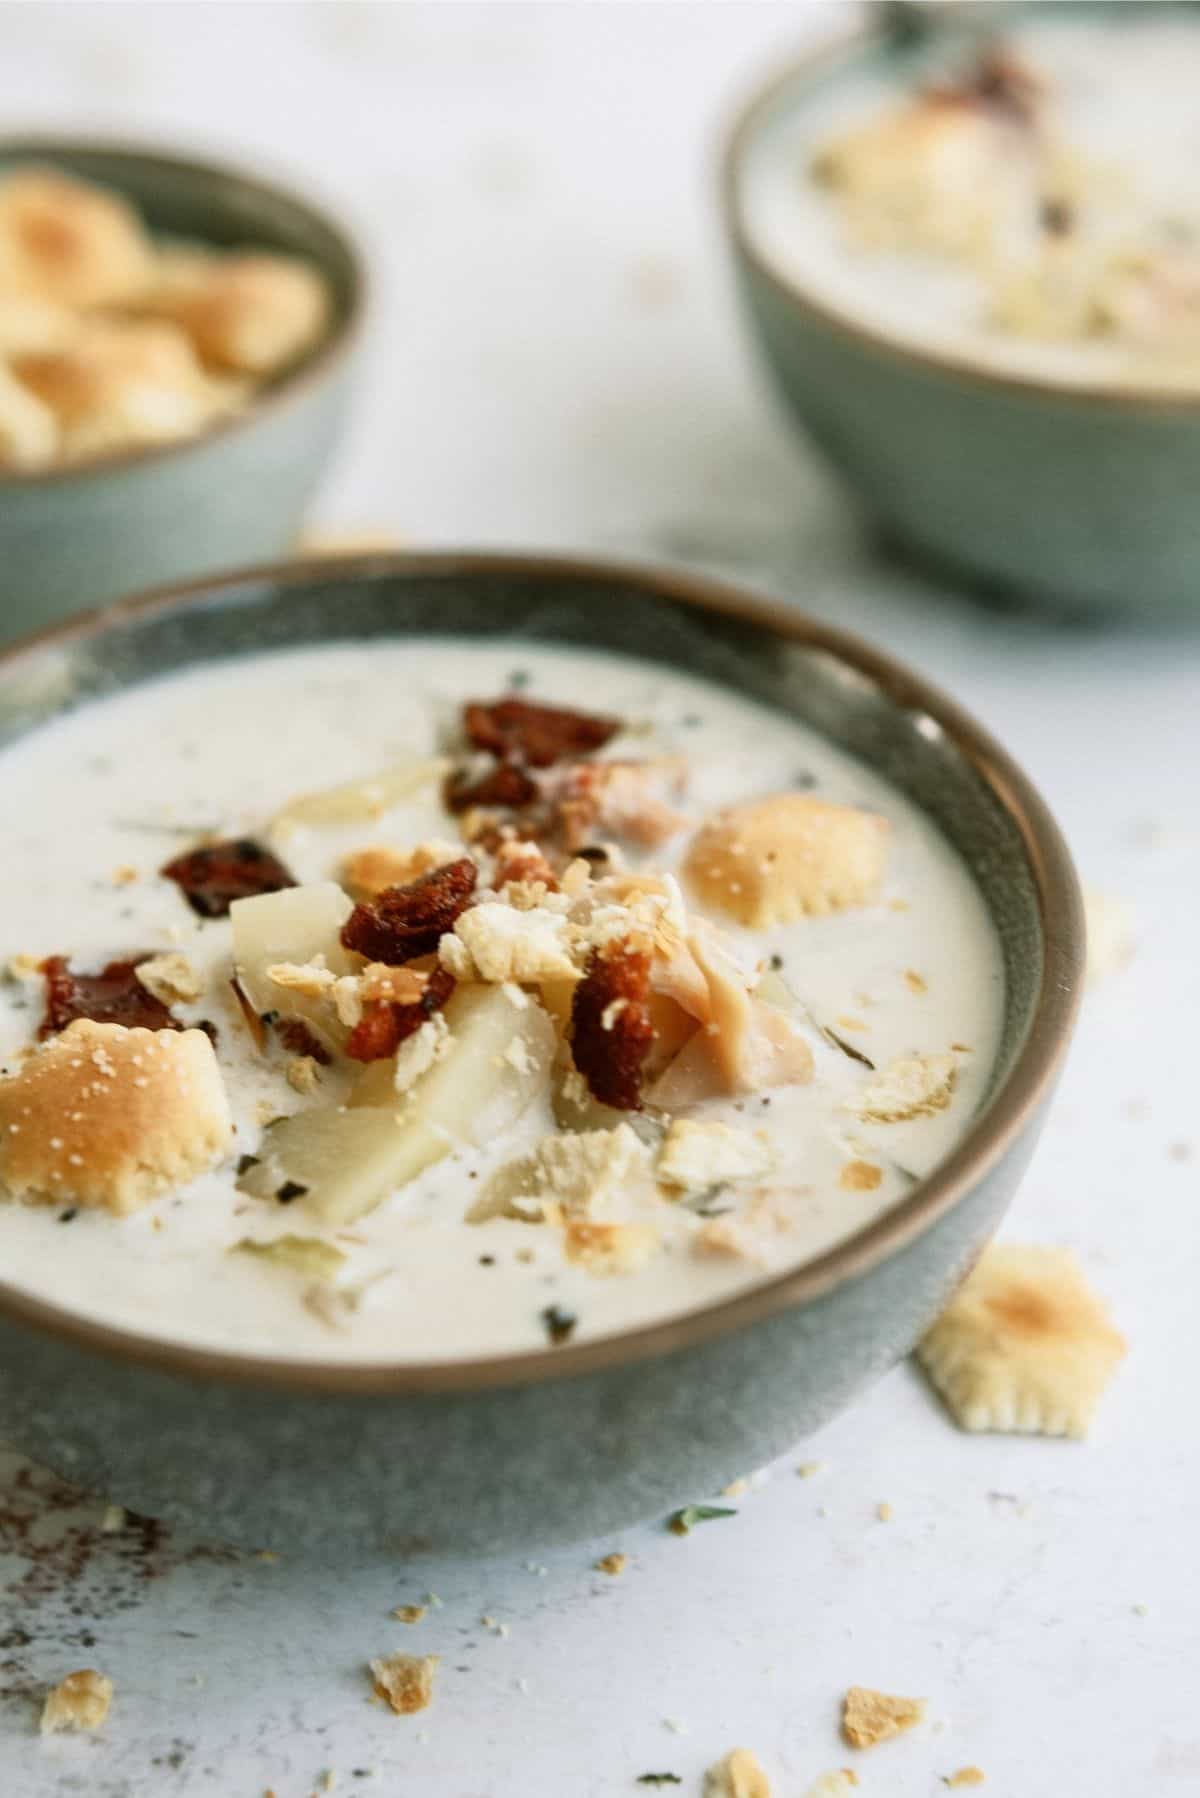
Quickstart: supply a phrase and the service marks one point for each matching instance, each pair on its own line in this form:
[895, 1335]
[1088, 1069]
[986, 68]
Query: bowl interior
[221, 206]
[863, 704]
[914, 306]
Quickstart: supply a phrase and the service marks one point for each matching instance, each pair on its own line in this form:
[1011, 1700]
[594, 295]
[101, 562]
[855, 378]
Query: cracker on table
[1024, 1346]
[405, 1681]
[870, 1717]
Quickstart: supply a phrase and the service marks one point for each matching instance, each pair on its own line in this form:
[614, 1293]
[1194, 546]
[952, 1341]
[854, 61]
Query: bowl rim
[736, 142]
[314, 368]
[1011, 1109]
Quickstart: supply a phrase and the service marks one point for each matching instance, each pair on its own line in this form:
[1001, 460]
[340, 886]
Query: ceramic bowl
[81, 536]
[520, 1451]
[1079, 499]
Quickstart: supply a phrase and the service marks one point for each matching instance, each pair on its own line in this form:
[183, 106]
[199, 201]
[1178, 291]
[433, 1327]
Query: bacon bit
[610, 1055]
[213, 876]
[524, 863]
[384, 1026]
[298, 1039]
[254, 1023]
[408, 921]
[505, 785]
[538, 734]
[998, 80]
[113, 996]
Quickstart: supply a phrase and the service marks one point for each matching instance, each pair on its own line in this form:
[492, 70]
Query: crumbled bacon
[384, 1025]
[404, 922]
[216, 874]
[298, 1039]
[612, 1033]
[522, 861]
[504, 785]
[998, 81]
[113, 996]
[536, 734]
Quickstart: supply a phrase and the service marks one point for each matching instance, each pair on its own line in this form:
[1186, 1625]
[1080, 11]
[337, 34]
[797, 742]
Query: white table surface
[556, 360]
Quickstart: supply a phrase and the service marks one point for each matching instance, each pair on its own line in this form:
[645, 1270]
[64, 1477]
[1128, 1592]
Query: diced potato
[356, 800]
[303, 1254]
[292, 926]
[499, 1062]
[349, 1160]
[345, 1162]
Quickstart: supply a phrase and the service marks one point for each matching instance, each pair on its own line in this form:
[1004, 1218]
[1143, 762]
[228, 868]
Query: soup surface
[521, 1094]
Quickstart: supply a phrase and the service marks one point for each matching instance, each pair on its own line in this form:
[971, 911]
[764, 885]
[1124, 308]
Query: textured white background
[556, 360]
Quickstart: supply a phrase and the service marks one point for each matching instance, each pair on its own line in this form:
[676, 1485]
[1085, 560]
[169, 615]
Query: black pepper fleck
[66, 1217]
[245, 1163]
[291, 1189]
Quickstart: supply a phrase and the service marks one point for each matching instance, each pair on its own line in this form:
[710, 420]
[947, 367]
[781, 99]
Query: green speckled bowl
[1078, 499]
[521, 1451]
[83, 536]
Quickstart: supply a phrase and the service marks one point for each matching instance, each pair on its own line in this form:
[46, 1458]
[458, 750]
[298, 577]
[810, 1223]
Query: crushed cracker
[870, 1717]
[80, 1701]
[405, 1681]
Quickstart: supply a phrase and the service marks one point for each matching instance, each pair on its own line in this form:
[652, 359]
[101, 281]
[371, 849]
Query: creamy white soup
[1031, 204]
[527, 1022]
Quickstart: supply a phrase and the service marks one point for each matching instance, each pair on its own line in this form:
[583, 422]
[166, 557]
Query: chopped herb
[839, 1042]
[291, 1189]
[691, 720]
[519, 678]
[905, 1172]
[268, 1018]
[658, 1779]
[680, 1522]
[245, 1163]
[703, 1203]
[66, 1217]
[805, 781]
[1057, 216]
[775, 963]
[559, 1323]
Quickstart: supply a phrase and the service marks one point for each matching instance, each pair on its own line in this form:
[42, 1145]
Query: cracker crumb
[967, 1776]
[1110, 935]
[739, 1775]
[860, 1176]
[916, 983]
[735, 1488]
[303, 1074]
[80, 1701]
[125, 875]
[834, 1785]
[1025, 1345]
[870, 1717]
[808, 1470]
[613, 1564]
[884, 1512]
[113, 1520]
[170, 977]
[911, 1086]
[409, 1613]
[405, 1681]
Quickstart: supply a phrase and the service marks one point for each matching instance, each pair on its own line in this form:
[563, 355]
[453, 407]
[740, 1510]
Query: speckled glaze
[513, 1453]
[77, 537]
[1079, 500]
